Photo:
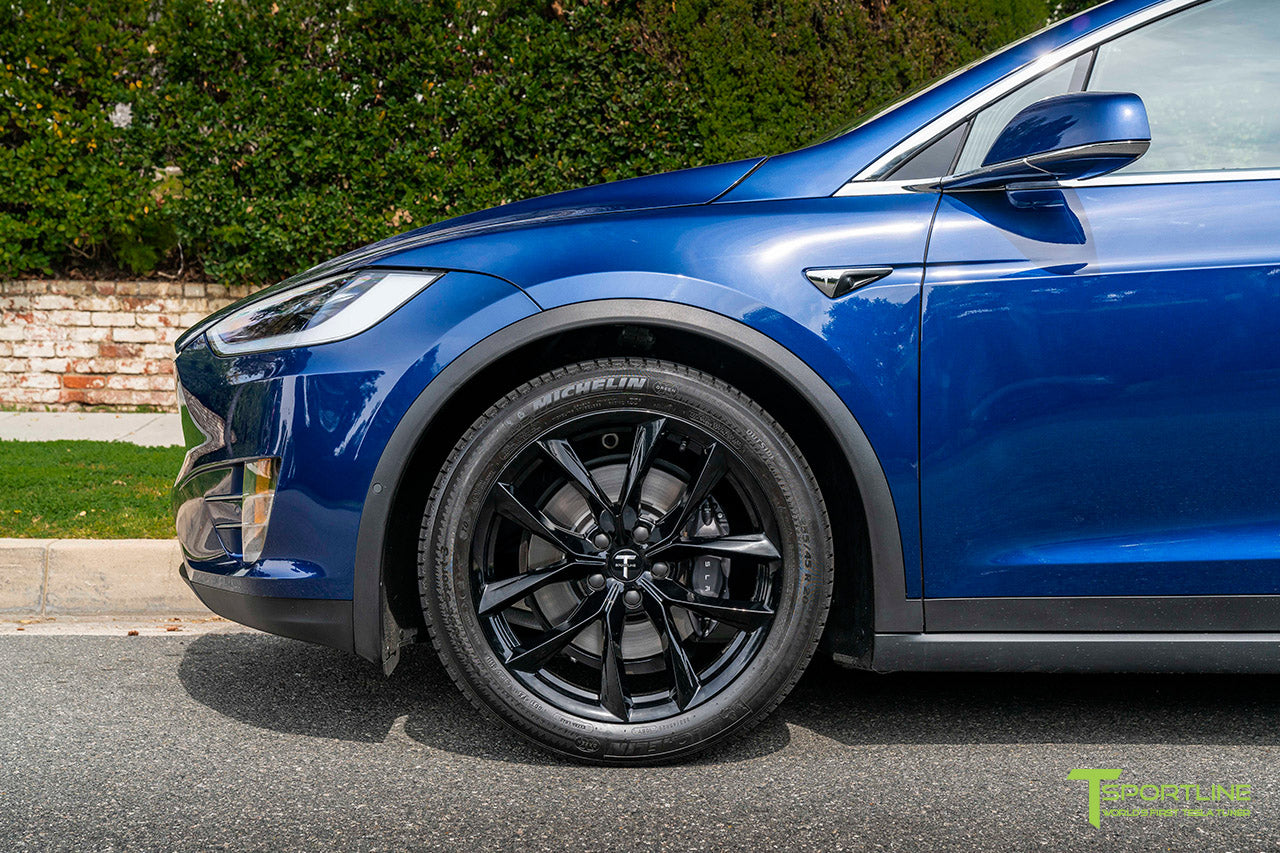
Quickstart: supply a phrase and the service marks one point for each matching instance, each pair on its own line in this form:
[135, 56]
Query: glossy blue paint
[1087, 407]
[1102, 387]
[671, 189]
[1071, 121]
[1061, 138]
[747, 262]
[327, 412]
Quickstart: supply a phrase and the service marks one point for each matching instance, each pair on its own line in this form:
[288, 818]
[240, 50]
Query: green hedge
[245, 139]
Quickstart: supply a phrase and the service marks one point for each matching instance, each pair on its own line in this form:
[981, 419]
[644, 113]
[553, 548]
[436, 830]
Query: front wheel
[626, 560]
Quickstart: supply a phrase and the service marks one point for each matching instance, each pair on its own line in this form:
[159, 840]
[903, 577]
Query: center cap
[626, 564]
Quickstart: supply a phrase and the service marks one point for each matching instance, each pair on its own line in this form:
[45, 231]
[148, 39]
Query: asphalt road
[244, 741]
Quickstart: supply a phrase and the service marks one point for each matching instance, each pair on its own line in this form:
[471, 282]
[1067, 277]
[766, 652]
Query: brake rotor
[640, 640]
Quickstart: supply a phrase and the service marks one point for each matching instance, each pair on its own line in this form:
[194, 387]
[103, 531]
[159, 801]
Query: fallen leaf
[173, 628]
[20, 628]
[133, 632]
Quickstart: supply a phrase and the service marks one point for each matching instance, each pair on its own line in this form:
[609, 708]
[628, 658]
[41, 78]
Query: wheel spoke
[563, 454]
[747, 545]
[685, 683]
[646, 440]
[714, 467]
[499, 595]
[533, 658]
[743, 615]
[613, 689]
[619, 550]
[537, 523]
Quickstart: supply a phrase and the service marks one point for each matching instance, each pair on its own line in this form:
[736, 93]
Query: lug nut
[601, 541]
[632, 598]
[660, 570]
[640, 534]
[596, 581]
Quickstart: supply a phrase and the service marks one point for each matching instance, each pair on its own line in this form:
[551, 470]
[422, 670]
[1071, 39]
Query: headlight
[318, 312]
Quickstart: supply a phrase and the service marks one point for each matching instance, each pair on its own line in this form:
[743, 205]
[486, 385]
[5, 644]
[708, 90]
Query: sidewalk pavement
[148, 430]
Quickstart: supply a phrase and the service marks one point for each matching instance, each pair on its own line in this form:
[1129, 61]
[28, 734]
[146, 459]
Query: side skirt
[1079, 652]
[1257, 614]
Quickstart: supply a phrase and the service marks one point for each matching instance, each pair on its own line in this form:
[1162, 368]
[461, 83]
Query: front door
[1100, 374]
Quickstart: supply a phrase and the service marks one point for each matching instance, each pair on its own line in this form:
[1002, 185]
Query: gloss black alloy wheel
[626, 560]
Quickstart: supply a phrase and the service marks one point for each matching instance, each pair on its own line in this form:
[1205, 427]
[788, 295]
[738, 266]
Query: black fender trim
[316, 620]
[894, 612]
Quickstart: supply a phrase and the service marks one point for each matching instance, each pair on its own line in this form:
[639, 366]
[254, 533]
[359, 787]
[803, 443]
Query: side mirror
[1066, 137]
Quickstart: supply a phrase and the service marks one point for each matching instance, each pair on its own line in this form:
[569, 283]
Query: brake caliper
[710, 574]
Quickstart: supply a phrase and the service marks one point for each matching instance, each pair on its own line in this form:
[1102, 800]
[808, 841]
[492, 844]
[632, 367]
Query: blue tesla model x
[989, 381]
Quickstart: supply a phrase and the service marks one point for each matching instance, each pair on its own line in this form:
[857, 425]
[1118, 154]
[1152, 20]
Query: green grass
[86, 490]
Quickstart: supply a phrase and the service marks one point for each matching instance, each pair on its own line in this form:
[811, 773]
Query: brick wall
[68, 345]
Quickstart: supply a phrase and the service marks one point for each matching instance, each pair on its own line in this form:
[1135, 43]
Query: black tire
[756, 602]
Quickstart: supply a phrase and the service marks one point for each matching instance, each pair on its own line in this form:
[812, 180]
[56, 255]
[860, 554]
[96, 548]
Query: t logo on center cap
[625, 562]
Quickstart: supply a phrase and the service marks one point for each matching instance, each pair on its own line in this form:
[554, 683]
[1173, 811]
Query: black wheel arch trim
[894, 612]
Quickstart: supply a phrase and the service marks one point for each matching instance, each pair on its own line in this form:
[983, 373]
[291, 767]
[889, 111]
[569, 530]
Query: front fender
[372, 623]
[747, 261]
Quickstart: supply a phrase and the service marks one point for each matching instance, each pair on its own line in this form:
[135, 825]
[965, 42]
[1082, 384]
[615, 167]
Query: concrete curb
[78, 577]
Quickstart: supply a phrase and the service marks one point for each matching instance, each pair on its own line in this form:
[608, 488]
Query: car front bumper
[326, 414]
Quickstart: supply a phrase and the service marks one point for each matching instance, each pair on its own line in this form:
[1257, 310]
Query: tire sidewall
[665, 389]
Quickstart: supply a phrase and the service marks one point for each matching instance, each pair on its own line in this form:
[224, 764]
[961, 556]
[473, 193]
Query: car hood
[669, 189]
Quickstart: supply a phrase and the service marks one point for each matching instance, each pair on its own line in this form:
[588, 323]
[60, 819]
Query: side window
[992, 119]
[1210, 79]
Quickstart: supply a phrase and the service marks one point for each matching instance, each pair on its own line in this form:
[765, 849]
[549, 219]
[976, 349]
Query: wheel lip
[725, 669]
